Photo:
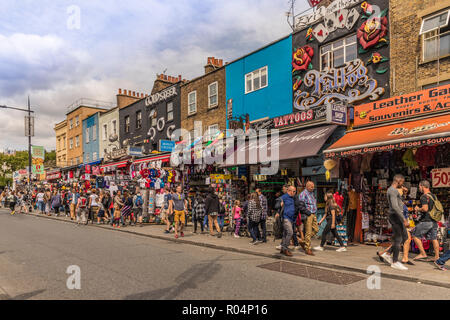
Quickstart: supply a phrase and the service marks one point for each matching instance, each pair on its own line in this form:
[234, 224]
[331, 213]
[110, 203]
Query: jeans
[205, 221]
[400, 235]
[262, 235]
[445, 257]
[199, 220]
[41, 206]
[287, 234]
[327, 230]
[221, 221]
[351, 222]
[253, 228]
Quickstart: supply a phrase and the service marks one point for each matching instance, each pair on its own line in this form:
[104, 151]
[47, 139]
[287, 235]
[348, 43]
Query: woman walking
[331, 210]
[199, 211]
[56, 202]
[237, 217]
[48, 201]
[254, 216]
[118, 204]
[212, 207]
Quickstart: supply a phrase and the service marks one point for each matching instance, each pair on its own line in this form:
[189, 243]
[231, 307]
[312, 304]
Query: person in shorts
[178, 206]
[426, 228]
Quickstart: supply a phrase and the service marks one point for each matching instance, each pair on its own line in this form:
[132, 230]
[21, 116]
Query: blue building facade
[91, 145]
[260, 84]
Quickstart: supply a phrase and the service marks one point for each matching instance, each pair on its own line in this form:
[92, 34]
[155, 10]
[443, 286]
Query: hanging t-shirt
[100, 182]
[353, 200]
[159, 200]
[425, 156]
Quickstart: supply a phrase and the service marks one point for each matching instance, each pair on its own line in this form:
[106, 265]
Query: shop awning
[293, 145]
[158, 157]
[120, 164]
[412, 134]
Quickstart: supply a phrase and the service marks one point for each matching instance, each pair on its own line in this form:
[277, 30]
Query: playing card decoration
[301, 62]
[377, 59]
[314, 3]
[320, 32]
[352, 17]
[331, 22]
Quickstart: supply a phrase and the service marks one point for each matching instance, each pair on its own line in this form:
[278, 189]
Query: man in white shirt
[93, 205]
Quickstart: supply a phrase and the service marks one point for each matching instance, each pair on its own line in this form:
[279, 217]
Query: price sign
[441, 177]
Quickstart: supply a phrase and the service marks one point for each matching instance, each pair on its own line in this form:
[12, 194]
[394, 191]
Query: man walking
[262, 223]
[398, 222]
[311, 226]
[289, 217]
[178, 207]
[427, 227]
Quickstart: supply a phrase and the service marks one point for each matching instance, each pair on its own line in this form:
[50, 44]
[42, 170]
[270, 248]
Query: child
[237, 217]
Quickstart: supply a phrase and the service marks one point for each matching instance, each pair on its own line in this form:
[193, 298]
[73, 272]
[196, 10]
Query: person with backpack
[82, 209]
[430, 213]
[138, 207]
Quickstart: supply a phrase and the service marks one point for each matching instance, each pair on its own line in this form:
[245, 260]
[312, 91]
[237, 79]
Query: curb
[265, 255]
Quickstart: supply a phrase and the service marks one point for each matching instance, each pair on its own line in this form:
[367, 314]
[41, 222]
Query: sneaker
[387, 257]
[399, 266]
[182, 234]
[176, 236]
[440, 267]
[319, 248]
[341, 249]
[166, 231]
[278, 247]
[254, 242]
[297, 247]
[236, 236]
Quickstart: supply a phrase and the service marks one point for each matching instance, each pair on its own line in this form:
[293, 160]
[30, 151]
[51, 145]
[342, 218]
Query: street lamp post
[29, 134]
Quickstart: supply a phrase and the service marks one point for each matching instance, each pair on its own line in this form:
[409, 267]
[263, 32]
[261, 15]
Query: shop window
[127, 124]
[213, 95]
[435, 33]
[434, 85]
[338, 53]
[87, 135]
[192, 102]
[169, 111]
[139, 120]
[256, 80]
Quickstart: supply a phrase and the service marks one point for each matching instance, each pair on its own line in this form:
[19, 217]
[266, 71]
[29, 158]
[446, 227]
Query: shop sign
[320, 13]
[134, 151]
[166, 145]
[337, 114]
[331, 85]
[441, 178]
[53, 175]
[116, 154]
[435, 100]
[38, 156]
[161, 96]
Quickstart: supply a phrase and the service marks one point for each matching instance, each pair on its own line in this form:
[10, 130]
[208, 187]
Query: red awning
[164, 158]
[119, 164]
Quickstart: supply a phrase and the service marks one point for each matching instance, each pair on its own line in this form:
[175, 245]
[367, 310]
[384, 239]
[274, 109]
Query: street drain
[309, 272]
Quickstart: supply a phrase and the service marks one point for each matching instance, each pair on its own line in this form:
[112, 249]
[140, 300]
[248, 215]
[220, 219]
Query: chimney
[120, 91]
[213, 64]
[126, 98]
[164, 81]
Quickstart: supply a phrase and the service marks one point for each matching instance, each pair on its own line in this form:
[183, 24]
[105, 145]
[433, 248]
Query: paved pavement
[35, 253]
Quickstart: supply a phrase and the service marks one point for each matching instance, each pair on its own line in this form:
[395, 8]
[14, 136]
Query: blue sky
[120, 44]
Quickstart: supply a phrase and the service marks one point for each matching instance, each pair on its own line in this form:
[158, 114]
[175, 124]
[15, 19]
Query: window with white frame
[256, 80]
[71, 124]
[435, 31]
[169, 111]
[138, 119]
[114, 127]
[127, 124]
[71, 143]
[94, 132]
[213, 96]
[77, 121]
[105, 132]
[435, 84]
[192, 102]
[338, 53]
[77, 141]
[212, 131]
[87, 135]
[94, 156]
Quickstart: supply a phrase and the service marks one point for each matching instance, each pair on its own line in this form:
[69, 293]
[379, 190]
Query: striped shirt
[309, 199]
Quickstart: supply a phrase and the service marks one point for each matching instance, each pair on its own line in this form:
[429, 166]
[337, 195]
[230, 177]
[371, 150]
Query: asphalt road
[36, 252]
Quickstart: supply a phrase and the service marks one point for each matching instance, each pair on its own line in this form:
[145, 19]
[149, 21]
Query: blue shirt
[289, 207]
[309, 199]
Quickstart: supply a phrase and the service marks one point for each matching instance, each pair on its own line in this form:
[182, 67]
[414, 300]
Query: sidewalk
[357, 259]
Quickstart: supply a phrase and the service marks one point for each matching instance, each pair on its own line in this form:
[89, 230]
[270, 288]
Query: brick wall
[408, 71]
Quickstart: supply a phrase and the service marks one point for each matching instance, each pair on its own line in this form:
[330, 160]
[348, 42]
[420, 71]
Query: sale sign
[441, 177]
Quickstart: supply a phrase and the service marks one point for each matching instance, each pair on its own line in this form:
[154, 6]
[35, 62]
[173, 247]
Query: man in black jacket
[212, 207]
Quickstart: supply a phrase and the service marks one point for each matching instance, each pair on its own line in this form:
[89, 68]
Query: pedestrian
[165, 213]
[82, 209]
[56, 202]
[199, 211]
[12, 201]
[440, 263]
[236, 212]
[406, 246]
[212, 207]
[40, 201]
[288, 216]
[22, 203]
[428, 222]
[138, 204]
[254, 217]
[66, 202]
[127, 208]
[117, 209]
[178, 207]
[262, 237]
[221, 214]
[331, 212]
[48, 201]
[94, 205]
[398, 222]
[311, 226]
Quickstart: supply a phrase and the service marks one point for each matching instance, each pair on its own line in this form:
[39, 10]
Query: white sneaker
[399, 266]
[236, 236]
[297, 248]
[319, 248]
[342, 249]
[386, 257]
[278, 247]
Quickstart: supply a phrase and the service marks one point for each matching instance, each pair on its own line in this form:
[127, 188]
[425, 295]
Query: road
[36, 252]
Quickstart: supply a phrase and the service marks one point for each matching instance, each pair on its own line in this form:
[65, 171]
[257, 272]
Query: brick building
[203, 99]
[61, 143]
[420, 45]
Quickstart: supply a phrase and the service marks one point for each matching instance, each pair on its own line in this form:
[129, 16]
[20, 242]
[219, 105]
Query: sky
[59, 51]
